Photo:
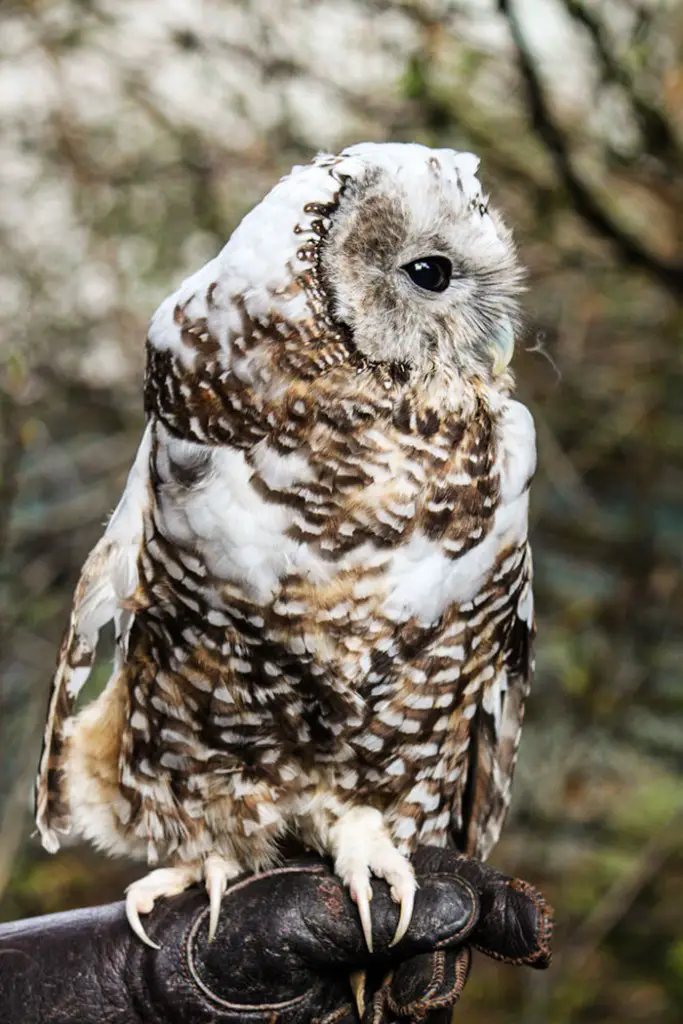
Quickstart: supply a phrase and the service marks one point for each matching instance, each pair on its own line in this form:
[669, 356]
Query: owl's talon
[407, 902]
[217, 871]
[133, 915]
[215, 895]
[361, 895]
[357, 979]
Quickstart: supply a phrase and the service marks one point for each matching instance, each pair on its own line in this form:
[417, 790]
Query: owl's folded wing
[497, 725]
[108, 579]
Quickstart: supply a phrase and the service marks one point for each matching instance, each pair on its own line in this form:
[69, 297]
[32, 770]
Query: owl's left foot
[362, 847]
[142, 895]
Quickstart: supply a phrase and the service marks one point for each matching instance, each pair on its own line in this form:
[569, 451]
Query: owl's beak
[503, 346]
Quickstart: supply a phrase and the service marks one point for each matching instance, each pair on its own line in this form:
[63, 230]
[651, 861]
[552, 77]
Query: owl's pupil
[433, 273]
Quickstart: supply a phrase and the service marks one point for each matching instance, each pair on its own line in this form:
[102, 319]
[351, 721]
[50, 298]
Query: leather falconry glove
[287, 941]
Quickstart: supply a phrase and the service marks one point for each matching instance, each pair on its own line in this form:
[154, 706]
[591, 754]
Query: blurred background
[133, 137]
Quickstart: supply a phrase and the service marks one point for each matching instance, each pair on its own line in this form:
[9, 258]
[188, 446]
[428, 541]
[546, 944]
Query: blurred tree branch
[617, 901]
[10, 460]
[658, 134]
[583, 199]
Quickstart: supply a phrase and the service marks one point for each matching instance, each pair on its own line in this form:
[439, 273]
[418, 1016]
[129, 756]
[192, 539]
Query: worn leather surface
[286, 944]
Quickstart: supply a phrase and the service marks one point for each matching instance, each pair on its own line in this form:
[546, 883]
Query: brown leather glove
[286, 944]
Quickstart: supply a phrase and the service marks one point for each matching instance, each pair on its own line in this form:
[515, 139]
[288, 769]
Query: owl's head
[417, 264]
[392, 247]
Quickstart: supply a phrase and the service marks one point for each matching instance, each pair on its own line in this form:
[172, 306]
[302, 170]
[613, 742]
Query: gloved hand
[286, 944]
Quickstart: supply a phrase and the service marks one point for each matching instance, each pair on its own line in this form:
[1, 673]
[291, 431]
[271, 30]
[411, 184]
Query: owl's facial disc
[423, 273]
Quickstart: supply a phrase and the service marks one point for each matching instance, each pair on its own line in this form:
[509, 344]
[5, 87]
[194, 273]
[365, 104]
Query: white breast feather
[422, 580]
[241, 537]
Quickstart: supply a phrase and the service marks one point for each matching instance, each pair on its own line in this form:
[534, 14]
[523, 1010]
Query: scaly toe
[363, 847]
[142, 895]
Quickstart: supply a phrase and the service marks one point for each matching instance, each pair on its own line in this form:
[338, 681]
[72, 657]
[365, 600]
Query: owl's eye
[433, 273]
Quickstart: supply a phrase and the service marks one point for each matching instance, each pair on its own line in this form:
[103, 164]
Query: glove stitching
[546, 927]
[543, 951]
[462, 969]
[420, 1006]
[312, 869]
[379, 1002]
[450, 998]
[335, 1016]
[467, 926]
[419, 1009]
[209, 994]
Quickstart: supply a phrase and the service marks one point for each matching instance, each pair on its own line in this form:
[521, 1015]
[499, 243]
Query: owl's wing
[497, 725]
[108, 579]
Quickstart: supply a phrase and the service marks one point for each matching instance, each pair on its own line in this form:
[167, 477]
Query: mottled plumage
[319, 570]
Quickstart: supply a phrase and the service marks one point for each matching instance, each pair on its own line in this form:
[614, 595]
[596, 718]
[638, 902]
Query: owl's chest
[406, 523]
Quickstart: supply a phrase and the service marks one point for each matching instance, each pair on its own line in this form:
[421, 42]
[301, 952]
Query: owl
[318, 573]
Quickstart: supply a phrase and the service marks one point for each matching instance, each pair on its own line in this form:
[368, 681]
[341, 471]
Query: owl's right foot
[142, 895]
[362, 847]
